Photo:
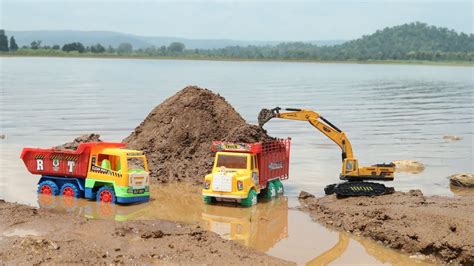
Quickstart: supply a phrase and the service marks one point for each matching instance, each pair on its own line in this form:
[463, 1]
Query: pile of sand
[177, 134]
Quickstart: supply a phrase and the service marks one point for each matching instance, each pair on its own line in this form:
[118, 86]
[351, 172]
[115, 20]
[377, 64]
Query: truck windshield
[232, 161]
[136, 164]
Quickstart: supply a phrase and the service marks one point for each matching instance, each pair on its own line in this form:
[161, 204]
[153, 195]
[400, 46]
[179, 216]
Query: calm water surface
[390, 112]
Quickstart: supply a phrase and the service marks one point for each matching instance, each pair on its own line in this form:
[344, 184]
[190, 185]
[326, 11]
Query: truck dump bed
[274, 160]
[55, 162]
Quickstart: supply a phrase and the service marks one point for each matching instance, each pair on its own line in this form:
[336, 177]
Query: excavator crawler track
[353, 189]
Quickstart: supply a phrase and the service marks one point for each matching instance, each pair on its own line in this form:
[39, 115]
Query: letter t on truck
[241, 171]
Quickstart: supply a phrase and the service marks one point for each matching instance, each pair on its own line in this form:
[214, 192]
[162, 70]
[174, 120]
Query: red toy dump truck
[97, 170]
[241, 171]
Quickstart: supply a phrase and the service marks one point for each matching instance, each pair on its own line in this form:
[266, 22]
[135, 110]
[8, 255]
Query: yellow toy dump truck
[241, 171]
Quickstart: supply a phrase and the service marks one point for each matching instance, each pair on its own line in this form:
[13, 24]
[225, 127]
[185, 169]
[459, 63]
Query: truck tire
[208, 199]
[251, 199]
[48, 188]
[279, 187]
[106, 194]
[270, 192]
[70, 190]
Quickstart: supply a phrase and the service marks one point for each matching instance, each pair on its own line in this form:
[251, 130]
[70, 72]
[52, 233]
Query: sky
[239, 20]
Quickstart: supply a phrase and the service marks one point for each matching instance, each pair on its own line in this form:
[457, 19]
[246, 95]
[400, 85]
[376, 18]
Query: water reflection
[461, 191]
[383, 254]
[259, 227]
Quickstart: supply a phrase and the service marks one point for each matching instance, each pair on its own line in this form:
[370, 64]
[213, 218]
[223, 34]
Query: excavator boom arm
[316, 120]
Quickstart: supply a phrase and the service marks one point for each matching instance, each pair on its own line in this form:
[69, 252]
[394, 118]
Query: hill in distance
[400, 41]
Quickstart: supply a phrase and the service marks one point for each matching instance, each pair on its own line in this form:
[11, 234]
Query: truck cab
[125, 170]
[236, 174]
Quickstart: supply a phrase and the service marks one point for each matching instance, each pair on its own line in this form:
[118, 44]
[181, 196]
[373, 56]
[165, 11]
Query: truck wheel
[270, 191]
[106, 194]
[48, 188]
[208, 199]
[278, 186]
[251, 199]
[70, 190]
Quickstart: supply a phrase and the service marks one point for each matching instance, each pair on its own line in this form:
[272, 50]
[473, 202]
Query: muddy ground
[439, 227]
[66, 238]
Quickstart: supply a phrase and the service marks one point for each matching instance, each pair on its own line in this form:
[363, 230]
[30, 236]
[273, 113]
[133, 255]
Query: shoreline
[184, 58]
[434, 228]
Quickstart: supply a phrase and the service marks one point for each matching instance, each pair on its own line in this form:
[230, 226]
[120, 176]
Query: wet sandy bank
[439, 228]
[36, 236]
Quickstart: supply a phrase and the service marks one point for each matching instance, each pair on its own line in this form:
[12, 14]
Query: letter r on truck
[39, 164]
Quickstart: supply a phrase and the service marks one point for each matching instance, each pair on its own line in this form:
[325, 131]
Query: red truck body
[274, 160]
[273, 157]
[56, 162]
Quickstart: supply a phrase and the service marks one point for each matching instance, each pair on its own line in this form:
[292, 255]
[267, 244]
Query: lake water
[389, 112]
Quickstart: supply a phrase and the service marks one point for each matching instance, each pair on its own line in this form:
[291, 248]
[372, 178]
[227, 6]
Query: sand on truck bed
[73, 145]
[439, 227]
[177, 134]
[34, 236]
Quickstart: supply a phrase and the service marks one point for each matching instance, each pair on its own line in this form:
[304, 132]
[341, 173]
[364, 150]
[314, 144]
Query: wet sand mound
[177, 134]
[409, 166]
[438, 227]
[451, 138]
[462, 180]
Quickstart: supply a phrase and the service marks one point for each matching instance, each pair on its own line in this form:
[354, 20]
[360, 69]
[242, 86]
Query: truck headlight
[207, 184]
[240, 185]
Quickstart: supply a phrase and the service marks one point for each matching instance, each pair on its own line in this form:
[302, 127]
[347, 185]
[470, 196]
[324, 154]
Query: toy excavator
[354, 175]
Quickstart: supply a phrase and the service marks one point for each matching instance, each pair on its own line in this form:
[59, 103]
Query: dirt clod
[305, 195]
[177, 134]
[438, 227]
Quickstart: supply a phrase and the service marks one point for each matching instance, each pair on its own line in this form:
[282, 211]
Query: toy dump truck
[98, 170]
[241, 171]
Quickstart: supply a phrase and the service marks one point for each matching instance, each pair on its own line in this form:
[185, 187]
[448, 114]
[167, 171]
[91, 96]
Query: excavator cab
[350, 167]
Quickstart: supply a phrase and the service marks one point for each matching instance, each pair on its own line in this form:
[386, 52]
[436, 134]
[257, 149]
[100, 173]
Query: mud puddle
[271, 227]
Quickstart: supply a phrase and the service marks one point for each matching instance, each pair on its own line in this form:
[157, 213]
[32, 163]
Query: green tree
[74, 46]
[3, 41]
[176, 47]
[35, 45]
[13, 45]
[97, 48]
[110, 49]
[125, 48]
[56, 47]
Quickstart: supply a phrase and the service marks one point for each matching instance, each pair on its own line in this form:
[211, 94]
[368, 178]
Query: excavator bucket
[264, 116]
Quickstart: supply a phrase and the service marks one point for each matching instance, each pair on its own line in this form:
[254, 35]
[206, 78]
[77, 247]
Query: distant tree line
[414, 41]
